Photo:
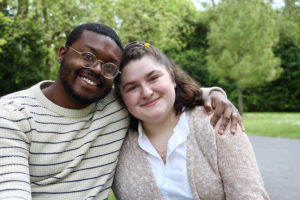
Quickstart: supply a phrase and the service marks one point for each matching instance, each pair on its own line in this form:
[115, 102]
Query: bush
[23, 56]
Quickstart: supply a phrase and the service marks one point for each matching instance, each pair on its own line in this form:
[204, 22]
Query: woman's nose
[146, 91]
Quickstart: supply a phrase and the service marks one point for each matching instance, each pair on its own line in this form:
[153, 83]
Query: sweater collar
[73, 113]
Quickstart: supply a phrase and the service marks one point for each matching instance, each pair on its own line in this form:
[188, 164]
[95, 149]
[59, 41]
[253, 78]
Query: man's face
[87, 85]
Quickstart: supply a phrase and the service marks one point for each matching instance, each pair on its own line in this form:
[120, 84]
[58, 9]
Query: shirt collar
[179, 136]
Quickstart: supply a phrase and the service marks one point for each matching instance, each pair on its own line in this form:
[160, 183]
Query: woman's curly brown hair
[188, 92]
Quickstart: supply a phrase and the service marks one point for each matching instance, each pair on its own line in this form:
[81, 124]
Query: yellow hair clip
[146, 44]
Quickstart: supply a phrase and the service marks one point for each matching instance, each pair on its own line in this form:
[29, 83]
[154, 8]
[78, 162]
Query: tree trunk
[48, 41]
[289, 4]
[23, 8]
[240, 100]
[213, 3]
[3, 6]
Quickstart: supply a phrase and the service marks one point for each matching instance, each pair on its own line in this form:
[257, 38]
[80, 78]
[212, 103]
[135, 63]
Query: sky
[276, 3]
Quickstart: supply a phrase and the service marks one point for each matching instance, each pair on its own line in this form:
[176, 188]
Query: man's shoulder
[18, 100]
[22, 95]
[109, 100]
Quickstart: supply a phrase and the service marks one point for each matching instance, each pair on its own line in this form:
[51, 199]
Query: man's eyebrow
[91, 48]
[94, 52]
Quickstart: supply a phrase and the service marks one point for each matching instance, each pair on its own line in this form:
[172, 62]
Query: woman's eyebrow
[128, 84]
[134, 82]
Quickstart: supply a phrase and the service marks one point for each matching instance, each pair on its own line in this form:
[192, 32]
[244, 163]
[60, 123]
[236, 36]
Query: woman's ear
[172, 75]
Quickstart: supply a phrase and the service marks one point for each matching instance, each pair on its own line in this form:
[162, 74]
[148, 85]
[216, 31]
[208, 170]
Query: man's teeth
[89, 81]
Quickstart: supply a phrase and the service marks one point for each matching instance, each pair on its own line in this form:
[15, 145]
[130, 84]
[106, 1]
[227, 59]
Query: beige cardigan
[219, 166]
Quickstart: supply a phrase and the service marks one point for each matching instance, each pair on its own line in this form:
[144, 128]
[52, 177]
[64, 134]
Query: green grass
[273, 124]
[111, 195]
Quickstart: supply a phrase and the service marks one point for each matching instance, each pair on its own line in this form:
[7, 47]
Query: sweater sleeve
[238, 167]
[207, 91]
[14, 155]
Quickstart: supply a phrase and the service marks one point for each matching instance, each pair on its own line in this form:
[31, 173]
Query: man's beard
[63, 73]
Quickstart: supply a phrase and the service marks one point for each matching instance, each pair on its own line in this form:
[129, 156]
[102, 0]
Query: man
[61, 140]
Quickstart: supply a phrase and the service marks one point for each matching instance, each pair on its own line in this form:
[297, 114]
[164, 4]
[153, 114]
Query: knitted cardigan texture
[219, 166]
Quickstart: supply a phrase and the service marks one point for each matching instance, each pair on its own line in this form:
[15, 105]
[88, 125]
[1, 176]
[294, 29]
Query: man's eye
[110, 67]
[87, 57]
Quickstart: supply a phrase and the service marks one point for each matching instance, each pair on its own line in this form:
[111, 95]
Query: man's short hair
[97, 28]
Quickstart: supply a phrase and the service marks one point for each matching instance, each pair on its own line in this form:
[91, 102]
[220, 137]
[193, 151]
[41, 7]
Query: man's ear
[62, 51]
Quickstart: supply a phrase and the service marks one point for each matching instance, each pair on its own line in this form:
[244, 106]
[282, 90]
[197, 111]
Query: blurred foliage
[32, 31]
[282, 94]
[22, 55]
[240, 40]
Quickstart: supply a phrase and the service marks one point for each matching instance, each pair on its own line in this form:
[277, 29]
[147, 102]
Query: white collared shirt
[172, 178]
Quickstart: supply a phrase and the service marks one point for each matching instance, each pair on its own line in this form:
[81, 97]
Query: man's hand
[218, 103]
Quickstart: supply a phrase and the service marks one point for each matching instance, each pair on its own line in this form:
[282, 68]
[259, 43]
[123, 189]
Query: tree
[282, 94]
[290, 22]
[22, 57]
[241, 39]
[22, 53]
[192, 57]
[158, 22]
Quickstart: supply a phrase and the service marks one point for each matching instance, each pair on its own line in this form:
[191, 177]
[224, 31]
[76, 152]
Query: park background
[248, 47]
[251, 48]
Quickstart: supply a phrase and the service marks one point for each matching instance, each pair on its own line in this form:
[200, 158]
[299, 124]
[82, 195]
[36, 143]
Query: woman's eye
[152, 78]
[131, 88]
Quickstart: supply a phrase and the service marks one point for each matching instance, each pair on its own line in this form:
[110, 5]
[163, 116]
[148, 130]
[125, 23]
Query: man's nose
[97, 68]
[97, 65]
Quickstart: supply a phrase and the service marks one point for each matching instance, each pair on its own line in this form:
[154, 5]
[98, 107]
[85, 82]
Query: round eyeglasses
[89, 60]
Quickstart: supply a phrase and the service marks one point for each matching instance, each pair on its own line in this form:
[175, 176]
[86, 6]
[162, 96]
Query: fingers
[225, 119]
[221, 106]
[218, 112]
[208, 105]
[234, 122]
[236, 119]
[240, 122]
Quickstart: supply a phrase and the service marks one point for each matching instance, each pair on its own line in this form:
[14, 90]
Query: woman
[176, 153]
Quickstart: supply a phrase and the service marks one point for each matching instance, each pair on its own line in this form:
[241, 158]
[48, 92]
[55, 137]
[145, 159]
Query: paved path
[279, 163]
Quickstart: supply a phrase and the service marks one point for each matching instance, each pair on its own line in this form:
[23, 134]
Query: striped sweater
[50, 152]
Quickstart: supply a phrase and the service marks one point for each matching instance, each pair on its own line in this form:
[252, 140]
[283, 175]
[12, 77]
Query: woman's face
[148, 90]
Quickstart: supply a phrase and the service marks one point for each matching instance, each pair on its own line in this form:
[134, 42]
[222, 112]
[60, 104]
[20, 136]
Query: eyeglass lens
[108, 69]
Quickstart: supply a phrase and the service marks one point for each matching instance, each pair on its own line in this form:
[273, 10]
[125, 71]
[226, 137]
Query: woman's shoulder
[130, 143]
[201, 131]
[199, 111]
[199, 118]
[131, 136]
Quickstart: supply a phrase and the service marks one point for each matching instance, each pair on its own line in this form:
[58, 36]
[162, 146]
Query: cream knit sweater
[50, 152]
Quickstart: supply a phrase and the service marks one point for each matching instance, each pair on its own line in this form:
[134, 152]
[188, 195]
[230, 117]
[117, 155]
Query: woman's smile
[151, 102]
